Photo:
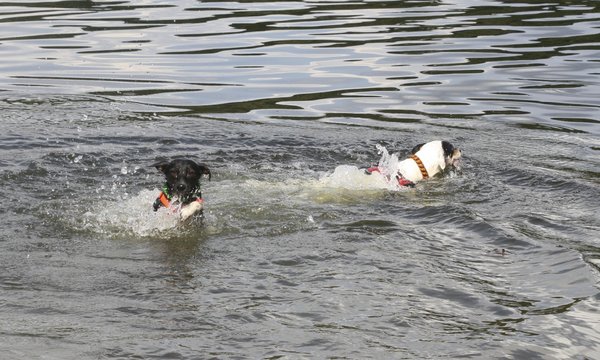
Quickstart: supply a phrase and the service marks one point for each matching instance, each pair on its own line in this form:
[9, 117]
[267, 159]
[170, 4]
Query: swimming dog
[426, 160]
[182, 187]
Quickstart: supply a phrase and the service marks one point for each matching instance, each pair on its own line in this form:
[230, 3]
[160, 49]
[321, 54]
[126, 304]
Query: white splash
[133, 215]
[353, 178]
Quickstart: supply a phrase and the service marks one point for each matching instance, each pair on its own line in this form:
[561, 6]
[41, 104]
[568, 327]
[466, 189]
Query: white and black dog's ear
[416, 148]
[203, 170]
[448, 149]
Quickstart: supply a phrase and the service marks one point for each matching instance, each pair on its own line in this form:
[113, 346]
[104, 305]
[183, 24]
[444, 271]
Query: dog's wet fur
[434, 156]
[182, 187]
[183, 177]
[449, 150]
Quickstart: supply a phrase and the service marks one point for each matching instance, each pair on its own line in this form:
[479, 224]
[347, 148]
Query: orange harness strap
[164, 200]
[420, 165]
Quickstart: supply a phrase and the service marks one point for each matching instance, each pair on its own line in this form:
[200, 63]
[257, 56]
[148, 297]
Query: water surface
[499, 259]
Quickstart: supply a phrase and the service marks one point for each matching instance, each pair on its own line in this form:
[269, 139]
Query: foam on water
[293, 188]
[347, 184]
[353, 178]
[133, 215]
[130, 215]
[350, 177]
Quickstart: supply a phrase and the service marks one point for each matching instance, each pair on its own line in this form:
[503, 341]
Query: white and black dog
[426, 160]
[181, 191]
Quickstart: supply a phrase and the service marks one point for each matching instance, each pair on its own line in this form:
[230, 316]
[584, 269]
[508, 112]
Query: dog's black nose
[181, 187]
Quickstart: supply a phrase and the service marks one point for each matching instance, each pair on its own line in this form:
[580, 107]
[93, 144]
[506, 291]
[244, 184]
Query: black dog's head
[183, 176]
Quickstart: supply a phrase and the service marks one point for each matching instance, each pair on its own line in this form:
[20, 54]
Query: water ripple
[497, 259]
[191, 49]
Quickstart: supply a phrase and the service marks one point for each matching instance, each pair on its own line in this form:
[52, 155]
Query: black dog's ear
[162, 166]
[416, 148]
[204, 170]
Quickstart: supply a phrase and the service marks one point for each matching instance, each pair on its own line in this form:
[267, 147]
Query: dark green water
[498, 260]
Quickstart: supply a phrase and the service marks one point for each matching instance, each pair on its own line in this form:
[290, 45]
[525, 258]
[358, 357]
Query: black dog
[183, 183]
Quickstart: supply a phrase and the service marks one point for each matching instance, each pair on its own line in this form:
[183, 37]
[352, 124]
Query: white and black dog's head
[183, 177]
[429, 159]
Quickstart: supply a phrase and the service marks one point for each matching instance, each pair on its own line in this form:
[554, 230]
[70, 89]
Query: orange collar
[420, 165]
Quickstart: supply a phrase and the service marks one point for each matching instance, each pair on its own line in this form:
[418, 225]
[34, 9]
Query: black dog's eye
[191, 174]
[173, 173]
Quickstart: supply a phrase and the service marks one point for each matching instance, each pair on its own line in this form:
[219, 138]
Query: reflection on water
[529, 63]
[299, 254]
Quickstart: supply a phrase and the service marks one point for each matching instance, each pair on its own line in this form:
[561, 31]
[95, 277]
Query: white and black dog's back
[426, 160]
[429, 159]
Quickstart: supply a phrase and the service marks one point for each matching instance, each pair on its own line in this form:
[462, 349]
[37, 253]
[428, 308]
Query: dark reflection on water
[497, 260]
[531, 63]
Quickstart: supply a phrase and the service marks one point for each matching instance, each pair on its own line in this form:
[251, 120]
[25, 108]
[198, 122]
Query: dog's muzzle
[454, 160]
